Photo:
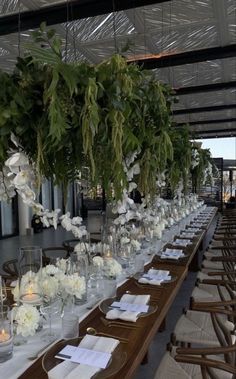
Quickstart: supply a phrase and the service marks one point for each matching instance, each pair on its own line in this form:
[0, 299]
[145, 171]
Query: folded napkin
[172, 254]
[181, 242]
[155, 277]
[195, 230]
[198, 225]
[187, 234]
[70, 370]
[128, 315]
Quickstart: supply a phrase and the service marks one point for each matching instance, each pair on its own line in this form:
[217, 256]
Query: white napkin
[70, 370]
[155, 277]
[172, 254]
[127, 315]
[181, 242]
[187, 234]
[195, 230]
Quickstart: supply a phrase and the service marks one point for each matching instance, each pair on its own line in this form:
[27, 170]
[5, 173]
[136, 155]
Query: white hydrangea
[98, 262]
[50, 286]
[75, 285]
[50, 270]
[81, 247]
[27, 318]
[112, 268]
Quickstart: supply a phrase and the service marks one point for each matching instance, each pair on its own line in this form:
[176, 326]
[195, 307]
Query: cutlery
[119, 324]
[94, 332]
[40, 351]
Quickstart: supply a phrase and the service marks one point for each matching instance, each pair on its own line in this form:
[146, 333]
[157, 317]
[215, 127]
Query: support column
[25, 215]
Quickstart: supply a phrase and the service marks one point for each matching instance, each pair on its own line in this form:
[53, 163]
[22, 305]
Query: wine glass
[48, 310]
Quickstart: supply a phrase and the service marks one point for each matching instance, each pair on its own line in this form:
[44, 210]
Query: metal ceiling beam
[215, 133]
[204, 109]
[208, 122]
[188, 57]
[205, 88]
[56, 14]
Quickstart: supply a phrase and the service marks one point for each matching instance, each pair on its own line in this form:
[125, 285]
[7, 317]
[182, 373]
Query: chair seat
[170, 369]
[196, 328]
[205, 292]
[212, 265]
[212, 253]
[204, 276]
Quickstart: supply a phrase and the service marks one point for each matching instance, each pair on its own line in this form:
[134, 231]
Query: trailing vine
[70, 115]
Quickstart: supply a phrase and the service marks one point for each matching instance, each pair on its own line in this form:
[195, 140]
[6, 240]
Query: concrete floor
[49, 237]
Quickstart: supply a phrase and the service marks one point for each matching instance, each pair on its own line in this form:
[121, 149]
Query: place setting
[155, 278]
[90, 356]
[171, 254]
[127, 308]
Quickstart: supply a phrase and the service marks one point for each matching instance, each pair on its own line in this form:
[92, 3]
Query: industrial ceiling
[189, 44]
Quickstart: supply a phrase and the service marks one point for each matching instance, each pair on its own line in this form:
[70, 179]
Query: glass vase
[30, 266]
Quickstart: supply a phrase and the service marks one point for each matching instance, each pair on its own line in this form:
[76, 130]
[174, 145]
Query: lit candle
[31, 298]
[4, 336]
[108, 254]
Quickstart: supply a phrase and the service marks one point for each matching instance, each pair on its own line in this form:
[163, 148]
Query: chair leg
[145, 359]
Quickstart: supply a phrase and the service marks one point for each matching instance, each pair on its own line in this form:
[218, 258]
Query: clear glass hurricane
[49, 310]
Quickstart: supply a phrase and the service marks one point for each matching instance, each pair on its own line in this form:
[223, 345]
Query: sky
[220, 147]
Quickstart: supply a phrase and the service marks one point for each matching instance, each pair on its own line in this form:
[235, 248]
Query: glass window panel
[47, 194]
[58, 197]
[7, 218]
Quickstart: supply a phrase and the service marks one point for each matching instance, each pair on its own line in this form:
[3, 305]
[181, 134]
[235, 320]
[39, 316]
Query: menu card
[141, 308]
[84, 356]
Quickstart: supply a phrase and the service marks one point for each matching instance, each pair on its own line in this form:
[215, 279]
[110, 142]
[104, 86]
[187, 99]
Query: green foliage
[179, 167]
[70, 115]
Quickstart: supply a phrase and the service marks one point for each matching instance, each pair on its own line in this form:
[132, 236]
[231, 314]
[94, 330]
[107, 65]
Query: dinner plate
[117, 361]
[105, 307]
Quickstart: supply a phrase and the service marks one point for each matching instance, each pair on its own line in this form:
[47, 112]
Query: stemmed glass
[3, 291]
[48, 310]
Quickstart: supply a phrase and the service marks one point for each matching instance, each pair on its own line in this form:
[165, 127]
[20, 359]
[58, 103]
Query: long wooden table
[138, 339]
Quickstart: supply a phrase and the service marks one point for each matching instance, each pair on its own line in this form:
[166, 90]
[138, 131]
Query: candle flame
[3, 331]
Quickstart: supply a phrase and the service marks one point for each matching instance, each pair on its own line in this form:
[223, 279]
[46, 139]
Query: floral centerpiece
[27, 319]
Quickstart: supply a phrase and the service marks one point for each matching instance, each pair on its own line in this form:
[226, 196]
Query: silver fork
[40, 351]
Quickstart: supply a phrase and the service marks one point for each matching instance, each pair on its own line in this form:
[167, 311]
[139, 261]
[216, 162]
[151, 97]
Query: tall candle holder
[6, 339]
[30, 265]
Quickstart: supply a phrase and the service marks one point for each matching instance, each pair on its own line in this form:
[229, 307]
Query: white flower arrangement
[18, 175]
[112, 268]
[62, 264]
[135, 244]
[27, 319]
[75, 285]
[195, 158]
[98, 262]
[124, 241]
[82, 247]
[50, 286]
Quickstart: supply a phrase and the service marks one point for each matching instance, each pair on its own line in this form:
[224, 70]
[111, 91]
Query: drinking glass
[79, 264]
[6, 339]
[48, 310]
[30, 265]
[3, 291]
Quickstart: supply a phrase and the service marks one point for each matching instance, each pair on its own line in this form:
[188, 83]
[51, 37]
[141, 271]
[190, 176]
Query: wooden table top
[138, 339]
